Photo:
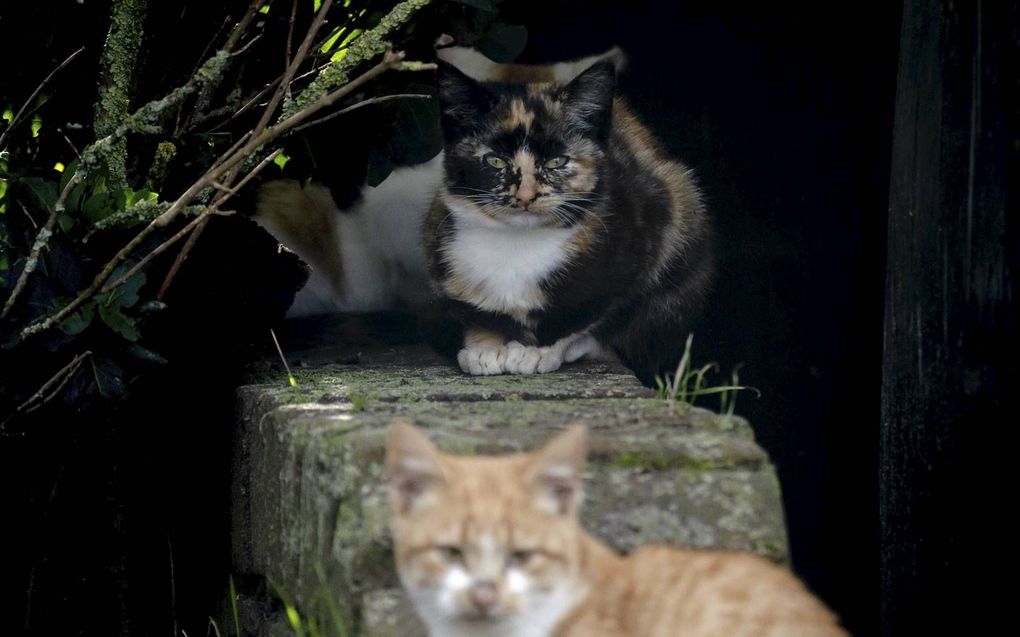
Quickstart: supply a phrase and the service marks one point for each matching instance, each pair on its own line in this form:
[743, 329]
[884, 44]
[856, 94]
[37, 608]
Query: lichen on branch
[118, 63]
[369, 44]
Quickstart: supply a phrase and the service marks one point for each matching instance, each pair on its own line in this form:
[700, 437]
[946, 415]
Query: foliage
[64, 223]
[688, 383]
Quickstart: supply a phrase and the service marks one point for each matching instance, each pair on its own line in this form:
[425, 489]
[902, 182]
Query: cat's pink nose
[526, 193]
[525, 201]
[483, 595]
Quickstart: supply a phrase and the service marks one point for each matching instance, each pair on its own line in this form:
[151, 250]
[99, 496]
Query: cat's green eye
[557, 162]
[451, 553]
[521, 557]
[495, 161]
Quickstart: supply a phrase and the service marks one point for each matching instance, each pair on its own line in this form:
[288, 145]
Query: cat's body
[492, 547]
[562, 230]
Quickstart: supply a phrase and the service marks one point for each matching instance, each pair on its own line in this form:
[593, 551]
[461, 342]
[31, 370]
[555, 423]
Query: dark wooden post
[950, 338]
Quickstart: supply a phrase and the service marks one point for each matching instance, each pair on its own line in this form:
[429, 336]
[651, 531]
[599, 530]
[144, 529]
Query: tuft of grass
[358, 400]
[688, 383]
[307, 626]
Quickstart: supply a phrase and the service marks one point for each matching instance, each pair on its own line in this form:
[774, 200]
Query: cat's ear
[463, 101]
[413, 471]
[556, 472]
[588, 100]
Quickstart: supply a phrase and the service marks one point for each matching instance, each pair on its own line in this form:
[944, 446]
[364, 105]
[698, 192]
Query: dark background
[785, 112]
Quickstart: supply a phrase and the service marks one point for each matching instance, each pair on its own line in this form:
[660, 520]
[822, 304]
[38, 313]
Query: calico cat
[562, 230]
[369, 257]
[492, 546]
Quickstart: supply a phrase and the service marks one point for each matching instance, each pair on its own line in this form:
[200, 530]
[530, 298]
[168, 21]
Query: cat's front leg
[484, 353]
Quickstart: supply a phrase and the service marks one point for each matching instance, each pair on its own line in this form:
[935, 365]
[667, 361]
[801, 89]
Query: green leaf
[146, 355]
[99, 206]
[316, 4]
[281, 160]
[79, 320]
[68, 173]
[126, 295]
[8, 115]
[36, 125]
[107, 378]
[3, 188]
[134, 196]
[504, 42]
[5, 265]
[44, 192]
[65, 221]
[265, 8]
[119, 322]
[332, 39]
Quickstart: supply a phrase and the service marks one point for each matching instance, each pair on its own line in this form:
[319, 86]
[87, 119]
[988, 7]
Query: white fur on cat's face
[486, 546]
[523, 607]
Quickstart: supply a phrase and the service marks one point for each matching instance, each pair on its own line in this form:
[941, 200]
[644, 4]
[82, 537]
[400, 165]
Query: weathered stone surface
[310, 511]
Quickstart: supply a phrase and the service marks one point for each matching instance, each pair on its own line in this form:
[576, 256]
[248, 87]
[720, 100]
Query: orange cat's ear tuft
[556, 472]
[413, 471]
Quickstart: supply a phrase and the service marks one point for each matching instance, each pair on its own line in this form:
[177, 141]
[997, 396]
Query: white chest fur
[501, 269]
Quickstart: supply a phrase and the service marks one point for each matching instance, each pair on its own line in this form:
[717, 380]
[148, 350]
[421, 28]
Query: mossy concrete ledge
[310, 514]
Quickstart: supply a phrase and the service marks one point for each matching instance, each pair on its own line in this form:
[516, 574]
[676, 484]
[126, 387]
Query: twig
[290, 36]
[31, 98]
[299, 57]
[247, 46]
[369, 101]
[242, 26]
[41, 239]
[31, 219]
[59, 379]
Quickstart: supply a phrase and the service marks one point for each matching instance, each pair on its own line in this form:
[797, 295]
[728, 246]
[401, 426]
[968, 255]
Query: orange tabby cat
[492, 546]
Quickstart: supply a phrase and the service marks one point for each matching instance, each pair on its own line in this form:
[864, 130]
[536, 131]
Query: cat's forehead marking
[518, 116]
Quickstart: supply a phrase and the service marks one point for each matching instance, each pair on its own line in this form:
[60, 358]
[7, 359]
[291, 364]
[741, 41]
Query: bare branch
[59, 379]
[41, 239]
[299, 57]
[31, 98]
[242, 26]
[368, 102]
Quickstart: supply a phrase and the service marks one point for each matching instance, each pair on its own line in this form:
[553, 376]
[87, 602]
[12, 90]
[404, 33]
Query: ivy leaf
[99, 206]
[107, 378]
[65, 221]
[44, 192]
[503, 42]
[129, 290]
[119, 322]
[145, 355]
[77, 322]
[134, 196]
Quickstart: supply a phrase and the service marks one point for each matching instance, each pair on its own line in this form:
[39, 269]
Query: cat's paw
[482, 361]
[521, 359]
[551, 359]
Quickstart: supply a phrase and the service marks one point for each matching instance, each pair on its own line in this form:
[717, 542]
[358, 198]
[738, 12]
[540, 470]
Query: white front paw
[521, 359]
[482, 361]
[551, 359]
